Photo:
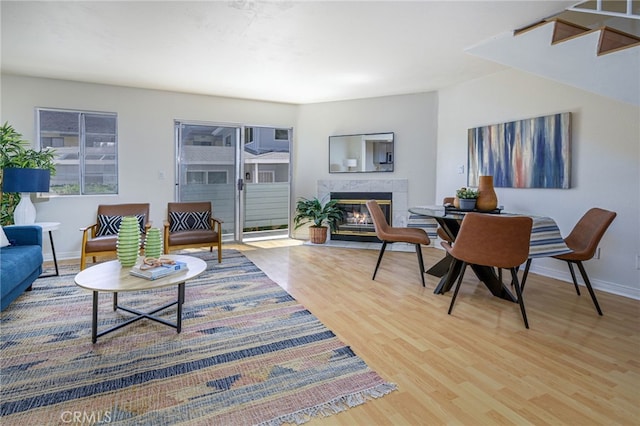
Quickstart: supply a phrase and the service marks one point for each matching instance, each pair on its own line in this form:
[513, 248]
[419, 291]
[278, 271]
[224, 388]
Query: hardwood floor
[478, 366]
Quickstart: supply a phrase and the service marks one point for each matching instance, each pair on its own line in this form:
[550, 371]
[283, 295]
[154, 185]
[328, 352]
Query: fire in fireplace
[357, 224]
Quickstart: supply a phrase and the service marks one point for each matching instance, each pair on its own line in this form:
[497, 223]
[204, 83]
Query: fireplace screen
[357, 224]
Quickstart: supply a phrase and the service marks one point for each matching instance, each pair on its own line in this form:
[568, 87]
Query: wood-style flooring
[478, 366]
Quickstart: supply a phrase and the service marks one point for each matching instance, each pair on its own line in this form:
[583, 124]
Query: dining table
[546, 240]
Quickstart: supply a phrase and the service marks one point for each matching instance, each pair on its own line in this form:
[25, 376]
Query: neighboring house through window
[86, 148]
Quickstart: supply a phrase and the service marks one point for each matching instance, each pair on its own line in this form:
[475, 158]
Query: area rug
[248, 354]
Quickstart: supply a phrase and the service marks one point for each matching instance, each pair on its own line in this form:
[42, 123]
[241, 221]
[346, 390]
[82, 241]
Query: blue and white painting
[531, 153]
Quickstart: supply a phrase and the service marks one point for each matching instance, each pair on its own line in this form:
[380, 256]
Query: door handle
[240, 184]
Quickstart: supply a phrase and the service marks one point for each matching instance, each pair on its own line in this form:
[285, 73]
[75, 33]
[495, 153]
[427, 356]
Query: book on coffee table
[158, 271]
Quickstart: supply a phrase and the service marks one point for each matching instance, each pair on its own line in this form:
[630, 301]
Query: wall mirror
[372, 152]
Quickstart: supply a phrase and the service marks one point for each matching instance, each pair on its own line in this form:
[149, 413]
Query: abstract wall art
[531, 153]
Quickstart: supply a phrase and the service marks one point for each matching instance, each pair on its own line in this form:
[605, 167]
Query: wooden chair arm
[93, 228]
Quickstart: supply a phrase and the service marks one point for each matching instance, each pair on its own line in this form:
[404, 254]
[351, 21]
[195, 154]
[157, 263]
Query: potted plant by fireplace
[321, 216]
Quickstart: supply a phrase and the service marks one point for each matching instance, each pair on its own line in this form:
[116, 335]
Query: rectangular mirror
[372, 152]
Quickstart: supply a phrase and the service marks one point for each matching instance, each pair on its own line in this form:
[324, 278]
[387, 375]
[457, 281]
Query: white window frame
[82, 155]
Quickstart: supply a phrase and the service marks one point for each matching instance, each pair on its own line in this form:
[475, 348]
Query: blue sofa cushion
[18, 262]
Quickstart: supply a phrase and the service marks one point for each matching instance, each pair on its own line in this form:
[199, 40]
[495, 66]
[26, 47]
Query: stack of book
[157, 271]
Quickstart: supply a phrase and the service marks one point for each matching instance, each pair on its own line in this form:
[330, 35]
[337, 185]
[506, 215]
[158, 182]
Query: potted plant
[15, 153]
[313, 211]
[467, 197]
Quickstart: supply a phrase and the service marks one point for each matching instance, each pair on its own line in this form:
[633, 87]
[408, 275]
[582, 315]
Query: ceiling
[284, 51]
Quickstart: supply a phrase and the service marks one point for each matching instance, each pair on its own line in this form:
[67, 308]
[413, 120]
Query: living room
[431, 144]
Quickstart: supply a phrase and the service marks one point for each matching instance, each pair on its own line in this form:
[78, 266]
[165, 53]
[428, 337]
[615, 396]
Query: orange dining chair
[583, 240]
[192, 225]
[494, 241]
[389, 234]
[441, 232]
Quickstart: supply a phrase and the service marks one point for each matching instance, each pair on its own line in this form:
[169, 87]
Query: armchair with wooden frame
[100, 238]
[192, 225]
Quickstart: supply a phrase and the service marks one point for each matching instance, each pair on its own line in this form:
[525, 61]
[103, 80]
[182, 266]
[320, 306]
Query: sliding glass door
[243, 171]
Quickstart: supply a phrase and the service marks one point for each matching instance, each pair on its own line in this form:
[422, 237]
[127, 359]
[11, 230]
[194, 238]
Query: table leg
[115, 300]
[487, 275]
[94, 318]
[179, 307]
[55, 260]
[448, 280]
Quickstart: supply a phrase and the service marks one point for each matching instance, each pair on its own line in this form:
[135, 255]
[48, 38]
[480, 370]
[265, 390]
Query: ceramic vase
[153, 243]
[128, 244]
[487, 198]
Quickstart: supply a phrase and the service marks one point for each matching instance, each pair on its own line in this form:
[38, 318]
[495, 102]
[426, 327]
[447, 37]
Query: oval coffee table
[114, 278]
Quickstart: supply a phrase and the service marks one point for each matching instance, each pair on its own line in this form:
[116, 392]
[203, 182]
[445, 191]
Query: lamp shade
[25, 180]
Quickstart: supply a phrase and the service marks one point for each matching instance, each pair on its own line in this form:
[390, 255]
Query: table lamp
[350, 163]
[25, 181]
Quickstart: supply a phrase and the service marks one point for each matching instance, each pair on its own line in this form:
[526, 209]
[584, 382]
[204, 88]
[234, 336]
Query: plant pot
[318, 234]
[467, 203]
[487, 198]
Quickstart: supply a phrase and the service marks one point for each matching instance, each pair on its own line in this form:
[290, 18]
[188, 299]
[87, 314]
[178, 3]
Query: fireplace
[356, 224]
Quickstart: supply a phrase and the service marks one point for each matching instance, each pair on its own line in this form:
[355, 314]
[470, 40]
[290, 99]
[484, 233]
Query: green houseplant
[467, 198]
[321, 216]
[15, 152]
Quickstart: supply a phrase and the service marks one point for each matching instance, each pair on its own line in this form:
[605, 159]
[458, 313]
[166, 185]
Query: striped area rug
[248, 354]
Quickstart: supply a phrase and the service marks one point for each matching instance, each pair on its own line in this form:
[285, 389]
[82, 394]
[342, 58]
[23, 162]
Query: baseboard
[608, 287]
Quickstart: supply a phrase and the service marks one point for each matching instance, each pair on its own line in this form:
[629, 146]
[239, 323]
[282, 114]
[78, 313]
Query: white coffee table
[114, 278]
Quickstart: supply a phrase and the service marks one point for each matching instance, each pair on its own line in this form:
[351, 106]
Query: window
[86, 149]
[195, 177]
[281, 134]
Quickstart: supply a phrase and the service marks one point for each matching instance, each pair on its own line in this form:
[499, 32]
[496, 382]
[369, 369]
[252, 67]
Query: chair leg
[514, 277]
[421, 262]
[384, 246]
[588, 284]
[455, 292]
[525, 274]
[573, 276]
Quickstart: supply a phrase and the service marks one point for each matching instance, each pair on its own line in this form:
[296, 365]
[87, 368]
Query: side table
[49, 227]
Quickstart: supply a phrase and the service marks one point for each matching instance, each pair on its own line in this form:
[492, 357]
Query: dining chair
[441, 232]
[100, 238]
[390, 234]
[192, 225]
[494, 241]
[583, 240]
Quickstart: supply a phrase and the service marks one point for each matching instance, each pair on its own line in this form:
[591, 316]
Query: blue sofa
[20, 262]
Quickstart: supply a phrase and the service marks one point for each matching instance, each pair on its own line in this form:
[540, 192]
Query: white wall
[430, 129]
[413, 119]
[605, 164]
[145, 135]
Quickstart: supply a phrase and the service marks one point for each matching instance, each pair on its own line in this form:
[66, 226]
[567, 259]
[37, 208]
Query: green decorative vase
[153, 243]
[128, 244]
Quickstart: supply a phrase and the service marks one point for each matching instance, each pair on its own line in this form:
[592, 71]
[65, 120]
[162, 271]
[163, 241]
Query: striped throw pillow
[109, 225]
[182, 221]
